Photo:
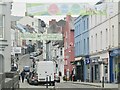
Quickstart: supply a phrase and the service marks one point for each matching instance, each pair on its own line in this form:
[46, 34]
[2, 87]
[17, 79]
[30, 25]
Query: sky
[57, 1]
[19, 7]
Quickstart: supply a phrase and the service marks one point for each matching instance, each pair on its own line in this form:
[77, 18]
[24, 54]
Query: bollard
[46, 82]
[103, 82]
[50, 80]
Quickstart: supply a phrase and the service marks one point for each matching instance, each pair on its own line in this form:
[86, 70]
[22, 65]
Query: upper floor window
[79, 28]
[95, 19]
[32, 23]
[87, 23]
[61, 53]
[106, 37]
[91, 20]
[91, 43]
[112, 35]
[66, 35]
[101, 39]
[84, 46]
[84, 24]
[96, 41]
[88, 43]
[1, 26]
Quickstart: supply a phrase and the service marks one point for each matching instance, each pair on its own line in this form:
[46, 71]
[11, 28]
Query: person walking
[23, 75]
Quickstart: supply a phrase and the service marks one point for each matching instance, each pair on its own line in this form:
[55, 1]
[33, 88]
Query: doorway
[1, 63]
[78, 72]
[91, 74]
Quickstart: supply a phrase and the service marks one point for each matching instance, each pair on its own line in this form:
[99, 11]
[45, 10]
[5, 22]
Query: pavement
[106, 85]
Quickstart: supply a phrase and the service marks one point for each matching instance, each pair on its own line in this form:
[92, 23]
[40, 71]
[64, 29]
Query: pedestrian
[118, 77]
[23, 75]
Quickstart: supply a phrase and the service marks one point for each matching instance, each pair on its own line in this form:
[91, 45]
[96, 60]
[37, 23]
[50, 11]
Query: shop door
[91, 74]
[118, 75]
[78, 72]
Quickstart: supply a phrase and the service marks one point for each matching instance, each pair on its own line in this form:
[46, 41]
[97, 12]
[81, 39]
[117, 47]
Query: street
[25, 61]
[58, 85]
[62, 44]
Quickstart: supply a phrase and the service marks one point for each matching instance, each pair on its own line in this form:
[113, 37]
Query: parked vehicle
[14, 67]
[36, 58]
[31, 57]
[33, 54]
[32, 79]
[45, 71]
[26, 68]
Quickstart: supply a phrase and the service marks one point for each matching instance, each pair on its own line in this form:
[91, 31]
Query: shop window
[61, 51]
[106, 71]
[96, 72]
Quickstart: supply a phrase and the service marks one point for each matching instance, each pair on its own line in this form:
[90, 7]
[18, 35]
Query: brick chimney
[53, 21]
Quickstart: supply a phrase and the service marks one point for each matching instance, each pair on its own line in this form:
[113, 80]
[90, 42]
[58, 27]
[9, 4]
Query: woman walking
[23, 76]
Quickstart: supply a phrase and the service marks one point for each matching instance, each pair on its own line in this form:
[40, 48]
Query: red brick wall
[69, 39]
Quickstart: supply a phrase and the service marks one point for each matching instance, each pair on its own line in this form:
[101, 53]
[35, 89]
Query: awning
[76, 60]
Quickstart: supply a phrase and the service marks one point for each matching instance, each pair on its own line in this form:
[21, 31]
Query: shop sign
[17, 49]
[115, 52]
[78, 63]
[87, 61]
[94, 59]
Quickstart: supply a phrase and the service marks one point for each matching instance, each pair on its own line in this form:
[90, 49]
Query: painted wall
[6, 41]
[68, 44]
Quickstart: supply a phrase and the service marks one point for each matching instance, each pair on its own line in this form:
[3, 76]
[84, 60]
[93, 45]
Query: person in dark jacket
[118, 77]
[23, 75]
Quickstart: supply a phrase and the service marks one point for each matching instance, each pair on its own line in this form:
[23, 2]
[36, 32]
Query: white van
[45, 71]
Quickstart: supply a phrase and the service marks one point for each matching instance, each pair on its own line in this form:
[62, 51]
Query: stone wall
[2, 80]
[9, 81]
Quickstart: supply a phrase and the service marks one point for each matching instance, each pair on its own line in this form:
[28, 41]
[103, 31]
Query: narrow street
[63, 44]
[25, 61]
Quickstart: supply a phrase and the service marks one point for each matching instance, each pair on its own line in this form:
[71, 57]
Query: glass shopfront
[114, 65]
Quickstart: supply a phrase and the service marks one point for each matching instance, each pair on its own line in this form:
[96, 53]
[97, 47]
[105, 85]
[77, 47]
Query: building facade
[68, 46]
[103, 36]
[81, 36]
[5, 38]
[99, 44]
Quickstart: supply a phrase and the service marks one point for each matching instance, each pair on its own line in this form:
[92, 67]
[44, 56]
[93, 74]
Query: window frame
[2, 27]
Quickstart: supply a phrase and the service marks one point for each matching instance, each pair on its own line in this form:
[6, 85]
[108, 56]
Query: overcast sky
[19, 7]
[57, 1]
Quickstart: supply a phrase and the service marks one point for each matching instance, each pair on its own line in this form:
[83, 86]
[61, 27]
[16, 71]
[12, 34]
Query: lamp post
[102, 61]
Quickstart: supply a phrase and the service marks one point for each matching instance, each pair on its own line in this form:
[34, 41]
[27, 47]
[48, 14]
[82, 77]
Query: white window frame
[101, 33]
[3, 26]
[106, 37]
[113, 35]
[96, 41]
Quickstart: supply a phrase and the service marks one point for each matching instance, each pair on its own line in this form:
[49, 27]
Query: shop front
[79, 68]
[103, 63]
[94, 69]
[87, 69]
[114, 65]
